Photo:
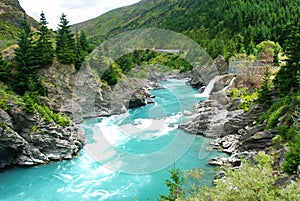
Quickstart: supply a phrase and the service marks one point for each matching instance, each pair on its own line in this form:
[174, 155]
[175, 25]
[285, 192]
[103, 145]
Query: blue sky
[76, 10]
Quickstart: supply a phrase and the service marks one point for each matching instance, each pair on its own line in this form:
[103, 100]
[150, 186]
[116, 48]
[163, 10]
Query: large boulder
[210, 119]
[140, 97]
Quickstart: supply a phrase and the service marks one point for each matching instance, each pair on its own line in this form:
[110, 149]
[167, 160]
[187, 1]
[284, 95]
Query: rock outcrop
[140, 97]
[210, 119]
[235, 131]
[28, 139]
[82, 94]
[201, 75]
[243, 138]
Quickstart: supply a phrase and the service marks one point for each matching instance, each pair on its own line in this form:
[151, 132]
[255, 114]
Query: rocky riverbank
[234, 131]
[83, 95]
[28, 139]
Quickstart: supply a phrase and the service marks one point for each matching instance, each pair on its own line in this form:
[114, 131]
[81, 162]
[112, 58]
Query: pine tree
[175, 185]
[44, 48]
[24, 54]
[65, 42]
[264, 95]
[25, 78]
[83, 42]
[287, 77]
[25, 59]
[81, 48]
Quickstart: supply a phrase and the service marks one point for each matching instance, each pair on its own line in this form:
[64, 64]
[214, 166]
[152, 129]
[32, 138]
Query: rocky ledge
[28, 139]
[234, 131]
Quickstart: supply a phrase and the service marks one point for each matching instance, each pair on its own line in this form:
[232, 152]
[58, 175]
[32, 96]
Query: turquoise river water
[141, 146]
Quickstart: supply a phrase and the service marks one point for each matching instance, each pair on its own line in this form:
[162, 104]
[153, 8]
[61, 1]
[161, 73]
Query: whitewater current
[140, 147]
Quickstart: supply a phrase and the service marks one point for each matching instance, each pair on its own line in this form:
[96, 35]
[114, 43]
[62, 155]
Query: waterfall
[230, 84]
[208, 88]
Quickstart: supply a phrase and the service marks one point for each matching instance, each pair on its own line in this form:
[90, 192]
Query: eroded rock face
[30, 140]
[210, 118]
[140, 97]
[247, 119]
[201, 75]
[82, 94]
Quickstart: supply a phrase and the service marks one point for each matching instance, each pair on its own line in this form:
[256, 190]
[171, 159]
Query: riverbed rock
[210, 118]
[140, 97]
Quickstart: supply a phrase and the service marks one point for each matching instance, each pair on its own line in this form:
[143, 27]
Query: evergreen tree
[24, 53]
[65, 42]
[175, 185]
[81, 48]
[287, 77]
[264, 95]
[25, 59]
[44, 48]
[83, 42]
[25, 77]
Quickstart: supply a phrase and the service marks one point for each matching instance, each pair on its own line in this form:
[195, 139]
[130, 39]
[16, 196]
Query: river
[141, 146]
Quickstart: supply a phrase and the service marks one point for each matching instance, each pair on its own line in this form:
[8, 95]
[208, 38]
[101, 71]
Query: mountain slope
[219, 26]
[11, 15]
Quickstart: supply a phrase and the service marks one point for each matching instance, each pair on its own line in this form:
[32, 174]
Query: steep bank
[235, 131]
[35, 138]
[82, 94]
[31, 139]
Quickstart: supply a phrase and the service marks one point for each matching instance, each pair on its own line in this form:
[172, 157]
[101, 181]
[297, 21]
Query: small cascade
[208, 88]
[230, 84]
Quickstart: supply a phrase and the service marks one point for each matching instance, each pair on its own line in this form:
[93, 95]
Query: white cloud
[76, 10]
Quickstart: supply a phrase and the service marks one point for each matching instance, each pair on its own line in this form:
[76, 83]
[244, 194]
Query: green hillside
[222, 27]
[11, 16]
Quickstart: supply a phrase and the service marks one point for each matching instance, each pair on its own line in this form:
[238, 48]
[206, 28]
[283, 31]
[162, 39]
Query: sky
[76, 10]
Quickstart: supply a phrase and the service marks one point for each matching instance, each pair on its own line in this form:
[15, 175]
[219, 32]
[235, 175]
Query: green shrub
[235, 93]
[248, 183]
[3, 104]
[282, 130]
[275, 115]
[29, 104]
[292, 158]
[3, 125]
[248, 100]
[48, 115]
[262, 118]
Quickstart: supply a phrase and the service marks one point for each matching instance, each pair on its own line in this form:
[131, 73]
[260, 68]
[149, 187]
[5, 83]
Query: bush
[29, 103]
[248, 100]
[292, 158]
[275, 115]
[48, 115]
[248, 183]
[3, 125]
[262, 118]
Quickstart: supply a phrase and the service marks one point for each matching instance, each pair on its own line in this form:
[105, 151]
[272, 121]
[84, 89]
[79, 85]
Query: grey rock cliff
[82, 94]
[28, 139]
